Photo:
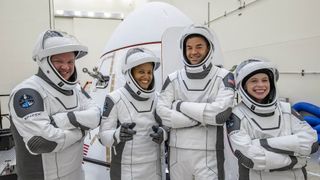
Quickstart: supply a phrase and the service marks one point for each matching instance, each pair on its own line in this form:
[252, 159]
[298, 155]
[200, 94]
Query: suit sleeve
[33, 123]
[88, 117]
[171, 117]
[217, 112]
[108, 122]
[251, 154]
[302, 141]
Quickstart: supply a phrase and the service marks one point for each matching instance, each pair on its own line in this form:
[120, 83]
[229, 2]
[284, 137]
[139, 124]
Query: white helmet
[135, 57]
[208, 36]
[52, 42]
[248, 68]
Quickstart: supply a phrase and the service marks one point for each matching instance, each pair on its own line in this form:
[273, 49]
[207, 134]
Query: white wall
[93, 33]
[21, 22]
[123, 6]
[287, 32]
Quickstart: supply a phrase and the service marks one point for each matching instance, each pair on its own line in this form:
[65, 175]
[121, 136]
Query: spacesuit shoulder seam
[115, 96]
[285, 107]
[236, 111]
[223, 72]
[173, 76]
[29, 84]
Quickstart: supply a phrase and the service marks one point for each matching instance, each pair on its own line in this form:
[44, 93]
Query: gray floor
[313, 167]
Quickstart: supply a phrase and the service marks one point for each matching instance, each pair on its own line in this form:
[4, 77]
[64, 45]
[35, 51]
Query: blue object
[317, 128]
[307, 107]
[313, 121]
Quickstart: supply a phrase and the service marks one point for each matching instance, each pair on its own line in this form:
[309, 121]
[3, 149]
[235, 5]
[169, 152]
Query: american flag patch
[85, 149]
[229, 81]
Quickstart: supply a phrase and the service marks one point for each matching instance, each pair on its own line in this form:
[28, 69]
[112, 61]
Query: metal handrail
[96, 161]
[302, 72]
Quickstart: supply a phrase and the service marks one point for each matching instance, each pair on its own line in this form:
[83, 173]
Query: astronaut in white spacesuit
[51, 113]
[268, 139]
[129, 124]
[195, 102]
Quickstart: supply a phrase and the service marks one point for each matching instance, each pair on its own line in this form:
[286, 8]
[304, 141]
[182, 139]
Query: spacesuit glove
[124, 132]
[157, 136]
[176, 105]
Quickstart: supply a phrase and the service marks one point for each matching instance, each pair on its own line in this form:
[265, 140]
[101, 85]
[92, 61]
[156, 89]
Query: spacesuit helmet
[53, 42]
[197, 31]
[247, 69]
[135, 57]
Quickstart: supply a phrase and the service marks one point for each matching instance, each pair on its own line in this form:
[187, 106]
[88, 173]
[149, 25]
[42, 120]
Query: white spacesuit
[268, 139]
[50, 115]
[128, 120]
[195, 102]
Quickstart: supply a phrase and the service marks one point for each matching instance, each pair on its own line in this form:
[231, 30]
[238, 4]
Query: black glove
[157, 136]
[125, 132]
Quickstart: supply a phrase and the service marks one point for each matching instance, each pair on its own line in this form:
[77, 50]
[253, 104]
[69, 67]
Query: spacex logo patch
[26, 101]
